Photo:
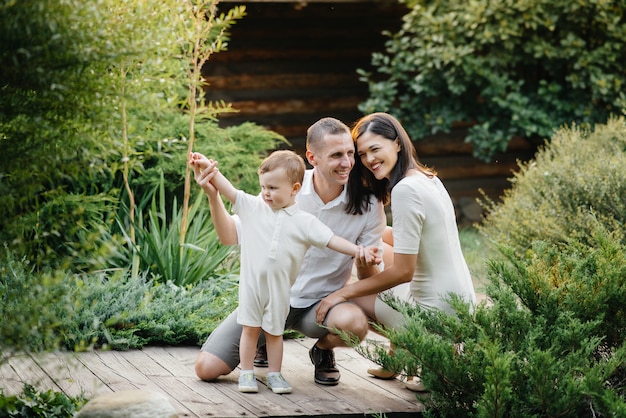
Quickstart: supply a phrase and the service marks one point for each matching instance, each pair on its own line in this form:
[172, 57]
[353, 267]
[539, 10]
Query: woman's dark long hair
[358, 192]
[361, 179]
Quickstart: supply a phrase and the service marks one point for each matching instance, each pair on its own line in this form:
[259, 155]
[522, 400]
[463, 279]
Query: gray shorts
[224, 340]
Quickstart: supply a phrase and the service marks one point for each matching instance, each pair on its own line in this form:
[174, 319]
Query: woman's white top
[424, 223]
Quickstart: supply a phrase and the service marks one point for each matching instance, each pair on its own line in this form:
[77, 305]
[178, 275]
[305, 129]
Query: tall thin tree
[208, 35]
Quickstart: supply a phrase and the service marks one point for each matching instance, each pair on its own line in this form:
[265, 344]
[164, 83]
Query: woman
[428, 263]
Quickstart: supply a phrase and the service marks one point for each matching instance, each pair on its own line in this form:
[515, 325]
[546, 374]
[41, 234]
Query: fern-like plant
[158, 242]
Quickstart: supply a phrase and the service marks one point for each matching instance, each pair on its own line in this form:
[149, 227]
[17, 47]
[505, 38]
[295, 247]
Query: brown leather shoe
[260, 358]
[325, 371]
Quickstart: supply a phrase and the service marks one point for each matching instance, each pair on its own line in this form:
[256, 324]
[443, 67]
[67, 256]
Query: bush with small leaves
[575, 181]
[118, 311]
[32, 304]
[533, 350]
[503, 68]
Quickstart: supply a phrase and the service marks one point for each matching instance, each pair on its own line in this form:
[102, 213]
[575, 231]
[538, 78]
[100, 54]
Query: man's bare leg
[210, 367]
[220, 353]
[346, 317]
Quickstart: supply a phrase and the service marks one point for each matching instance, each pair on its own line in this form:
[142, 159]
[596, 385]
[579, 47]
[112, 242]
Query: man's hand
[326, 304]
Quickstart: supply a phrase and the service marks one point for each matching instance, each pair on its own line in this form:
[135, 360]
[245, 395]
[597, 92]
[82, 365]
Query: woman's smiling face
[378, 154]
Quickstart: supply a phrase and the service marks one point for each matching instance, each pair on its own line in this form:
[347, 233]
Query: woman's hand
[326, 304]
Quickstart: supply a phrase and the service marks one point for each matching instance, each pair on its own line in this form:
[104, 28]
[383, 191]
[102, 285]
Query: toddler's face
[276, 189]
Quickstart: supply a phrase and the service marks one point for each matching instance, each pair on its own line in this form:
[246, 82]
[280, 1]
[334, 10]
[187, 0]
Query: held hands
[204, 170]
[367, 256]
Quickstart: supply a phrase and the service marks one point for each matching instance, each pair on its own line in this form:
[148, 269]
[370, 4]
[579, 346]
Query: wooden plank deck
[169, 370]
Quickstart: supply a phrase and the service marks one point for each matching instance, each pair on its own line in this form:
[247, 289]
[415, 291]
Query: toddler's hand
[204, 170]
[368, 256]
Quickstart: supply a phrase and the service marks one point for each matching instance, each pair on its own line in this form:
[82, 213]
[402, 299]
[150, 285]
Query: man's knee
[348, 317]
[209, 367]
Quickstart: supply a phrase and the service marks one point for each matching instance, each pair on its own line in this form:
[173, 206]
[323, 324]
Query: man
[330, 151]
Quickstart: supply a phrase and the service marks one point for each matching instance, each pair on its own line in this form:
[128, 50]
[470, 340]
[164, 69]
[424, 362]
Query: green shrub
[31, 305]
[576, 181]
[156, 247]
[121, 312]
[110, 309]
[45, 404]
[533, 350]
[586, 279]
[50, 236]
[81, 109]
[158, 243]
[504, 68]
[57, 120]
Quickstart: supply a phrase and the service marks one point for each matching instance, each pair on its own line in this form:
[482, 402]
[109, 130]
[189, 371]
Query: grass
[476, 254]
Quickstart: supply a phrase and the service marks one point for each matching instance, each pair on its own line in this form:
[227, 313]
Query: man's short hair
[325, 126]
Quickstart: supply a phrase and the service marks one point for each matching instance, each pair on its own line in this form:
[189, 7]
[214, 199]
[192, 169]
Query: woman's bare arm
[400, 272]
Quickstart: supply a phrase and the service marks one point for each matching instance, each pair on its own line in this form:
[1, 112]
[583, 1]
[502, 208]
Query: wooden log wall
[289, 64]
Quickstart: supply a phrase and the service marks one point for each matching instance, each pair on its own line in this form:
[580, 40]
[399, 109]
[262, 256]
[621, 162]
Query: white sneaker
[247, 383]
[277, 383]
[415, 385]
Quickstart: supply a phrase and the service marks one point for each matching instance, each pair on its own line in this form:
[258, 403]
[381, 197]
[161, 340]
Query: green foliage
[531, 351]
[45, 404]
[588, 280]
[53, 231]
[59, 76]
[238, 149]
[503, 68]
[30, 306]
[86, 87]
[575, 182]
[158, 244]
[110, 309]
[121, 312]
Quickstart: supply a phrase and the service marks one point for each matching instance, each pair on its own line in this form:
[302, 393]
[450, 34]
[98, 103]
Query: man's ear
[310, 156]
